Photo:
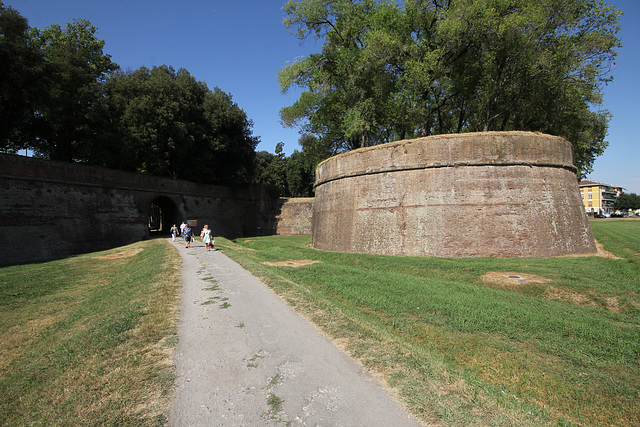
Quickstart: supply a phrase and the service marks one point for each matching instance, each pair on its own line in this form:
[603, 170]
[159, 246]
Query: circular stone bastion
[488, 194]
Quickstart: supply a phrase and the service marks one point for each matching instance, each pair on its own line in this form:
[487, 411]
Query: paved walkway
[245, 358]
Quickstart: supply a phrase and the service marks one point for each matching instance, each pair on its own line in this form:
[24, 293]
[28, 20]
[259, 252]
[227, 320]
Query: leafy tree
[20, 80]
[261, 171]
[61, 96]
[300, 175]
[627, 201]
[292, 176]
[276, 173]
[387, 72]
[270, 171]
[315, 149]
[348, 87]
[71, 110]
[169, 124]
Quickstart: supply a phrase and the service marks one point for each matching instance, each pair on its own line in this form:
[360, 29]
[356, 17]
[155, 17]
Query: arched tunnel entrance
[163, 213]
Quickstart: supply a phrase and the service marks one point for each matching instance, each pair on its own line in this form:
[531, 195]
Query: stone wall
[53, 209]
[493, 194]
[294, 216]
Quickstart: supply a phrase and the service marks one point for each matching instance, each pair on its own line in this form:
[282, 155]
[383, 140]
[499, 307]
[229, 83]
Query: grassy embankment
[461, 344]
[87, 340]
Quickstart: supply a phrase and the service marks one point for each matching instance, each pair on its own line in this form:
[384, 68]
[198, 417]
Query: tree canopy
[292, 176]
[62, 97]
[167, 123]
[387, 72]
[627, 201]
[20, 72]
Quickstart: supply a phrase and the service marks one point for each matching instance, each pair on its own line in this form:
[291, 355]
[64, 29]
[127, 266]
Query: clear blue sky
[239, 46]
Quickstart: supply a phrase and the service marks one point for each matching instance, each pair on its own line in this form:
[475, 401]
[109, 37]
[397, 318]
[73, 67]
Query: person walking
[182, 229]
[174, 232]
[206, 237]
[186, 233]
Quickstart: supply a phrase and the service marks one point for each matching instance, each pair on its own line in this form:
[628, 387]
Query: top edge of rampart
[450, 150]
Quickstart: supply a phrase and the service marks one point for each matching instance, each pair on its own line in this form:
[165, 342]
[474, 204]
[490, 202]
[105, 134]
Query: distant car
[617, 215]
[599, 216]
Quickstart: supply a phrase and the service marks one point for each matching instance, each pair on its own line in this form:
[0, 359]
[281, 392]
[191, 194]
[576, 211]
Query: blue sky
[240, 45]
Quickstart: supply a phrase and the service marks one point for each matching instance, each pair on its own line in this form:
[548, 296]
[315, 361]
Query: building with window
[598, 198]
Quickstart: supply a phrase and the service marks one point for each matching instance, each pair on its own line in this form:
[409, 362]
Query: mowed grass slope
[87, 340]
[461, 343]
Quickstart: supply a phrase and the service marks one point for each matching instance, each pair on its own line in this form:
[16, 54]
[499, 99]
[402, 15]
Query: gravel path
[245, 358]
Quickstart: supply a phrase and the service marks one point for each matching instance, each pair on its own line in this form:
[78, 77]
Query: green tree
[627, 201]
[349, 88]
[300, 175]
[387, 72]
[261, 171]
[292, 176]
[276, 171]
[167, 123]
[71, 110]
[20, 80]
[315, 149]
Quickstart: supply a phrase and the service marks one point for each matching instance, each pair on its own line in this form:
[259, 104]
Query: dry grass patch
[291, 263]
[600, 251]
[234, 247]
[17, 339]
[510, 279]
[514, 280]
[123, 254]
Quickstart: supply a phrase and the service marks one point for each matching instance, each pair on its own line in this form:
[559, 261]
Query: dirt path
[245, 358]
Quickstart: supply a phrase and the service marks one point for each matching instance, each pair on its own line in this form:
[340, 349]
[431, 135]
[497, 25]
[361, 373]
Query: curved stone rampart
[494, 194]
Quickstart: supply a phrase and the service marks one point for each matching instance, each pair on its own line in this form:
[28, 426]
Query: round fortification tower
[489, 194]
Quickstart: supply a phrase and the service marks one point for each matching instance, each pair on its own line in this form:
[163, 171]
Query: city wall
[490, 194]
[52, 209]
[294, 216]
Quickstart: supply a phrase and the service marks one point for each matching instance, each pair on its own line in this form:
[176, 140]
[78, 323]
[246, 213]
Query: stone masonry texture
[52, 209]
[295, 216]
[489, 194]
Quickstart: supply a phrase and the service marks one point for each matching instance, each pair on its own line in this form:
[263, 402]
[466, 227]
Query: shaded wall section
[490, 194]
[54, 209]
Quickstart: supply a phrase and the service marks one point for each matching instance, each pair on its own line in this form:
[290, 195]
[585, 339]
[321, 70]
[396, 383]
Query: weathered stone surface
[494, 194]
[295, 216]
[53, 209]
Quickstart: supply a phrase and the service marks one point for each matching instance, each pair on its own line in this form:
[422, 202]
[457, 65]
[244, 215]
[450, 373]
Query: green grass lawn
[87, 340]
[462, 344]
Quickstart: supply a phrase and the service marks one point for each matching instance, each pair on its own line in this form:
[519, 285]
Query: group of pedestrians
[187, 235]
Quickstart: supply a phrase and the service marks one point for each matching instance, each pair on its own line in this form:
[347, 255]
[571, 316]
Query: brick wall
[295, 216]
[54, 209]
[494, 194]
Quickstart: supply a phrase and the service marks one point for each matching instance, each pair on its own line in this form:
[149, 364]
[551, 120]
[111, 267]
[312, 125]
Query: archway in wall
[163, 213]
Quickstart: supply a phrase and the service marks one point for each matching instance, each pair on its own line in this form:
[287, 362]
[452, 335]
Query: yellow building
[598, 198]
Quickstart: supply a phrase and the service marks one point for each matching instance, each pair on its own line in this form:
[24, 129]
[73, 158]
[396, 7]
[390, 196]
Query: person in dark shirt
[187, 235]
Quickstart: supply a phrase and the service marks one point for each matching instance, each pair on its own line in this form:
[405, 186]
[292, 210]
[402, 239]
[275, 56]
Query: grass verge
[87, 340]
[559, 345]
